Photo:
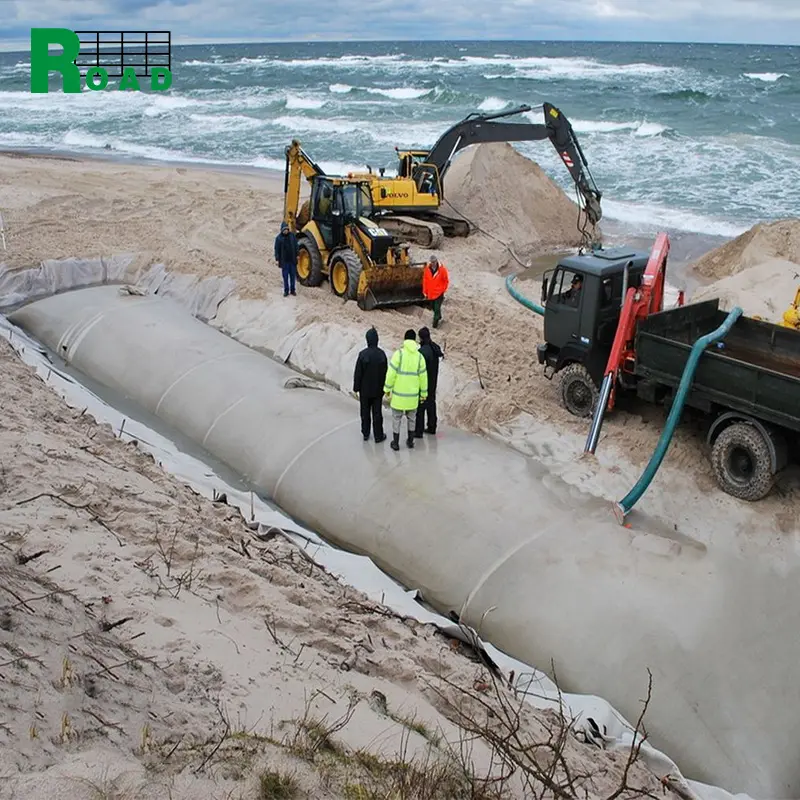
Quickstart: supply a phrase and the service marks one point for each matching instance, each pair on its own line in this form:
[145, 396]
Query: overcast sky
[749, 21]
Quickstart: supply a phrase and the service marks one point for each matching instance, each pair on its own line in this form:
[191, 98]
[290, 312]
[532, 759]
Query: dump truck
[338, 240]
[606, 331]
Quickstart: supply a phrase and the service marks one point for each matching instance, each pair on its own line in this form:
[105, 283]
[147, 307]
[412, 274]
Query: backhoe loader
[338, 239]
[408, 205]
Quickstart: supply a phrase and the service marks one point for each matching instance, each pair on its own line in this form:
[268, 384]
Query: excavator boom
[480, 128]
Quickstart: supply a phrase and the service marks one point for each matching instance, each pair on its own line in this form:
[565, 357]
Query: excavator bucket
[385, 286]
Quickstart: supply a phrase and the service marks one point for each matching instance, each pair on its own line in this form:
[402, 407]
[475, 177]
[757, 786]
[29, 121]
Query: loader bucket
[384, 286]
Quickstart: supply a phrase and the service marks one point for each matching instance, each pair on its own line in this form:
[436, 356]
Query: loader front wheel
[345, 273]
[309, 262]
[578, 391]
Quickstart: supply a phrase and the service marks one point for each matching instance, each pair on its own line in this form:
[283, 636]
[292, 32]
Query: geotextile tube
[624, 506]
[541, 569]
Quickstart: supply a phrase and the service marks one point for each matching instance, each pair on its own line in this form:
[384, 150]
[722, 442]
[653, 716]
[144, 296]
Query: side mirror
[544, 290]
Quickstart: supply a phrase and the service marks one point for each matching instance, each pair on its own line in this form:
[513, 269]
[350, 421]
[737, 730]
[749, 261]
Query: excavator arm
[479, 128]
[298, 166]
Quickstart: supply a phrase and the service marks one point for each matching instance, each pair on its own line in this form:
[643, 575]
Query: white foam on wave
[413, 135]
[492, 104]
[766, 77]
[643, 128]
[400, 92]
[657, 217]
[299, 102]
[340, 88]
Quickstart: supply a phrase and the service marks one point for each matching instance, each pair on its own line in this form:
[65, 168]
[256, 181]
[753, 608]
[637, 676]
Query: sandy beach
[228, 666]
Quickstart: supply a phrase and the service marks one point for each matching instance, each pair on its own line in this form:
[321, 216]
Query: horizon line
[24, 45]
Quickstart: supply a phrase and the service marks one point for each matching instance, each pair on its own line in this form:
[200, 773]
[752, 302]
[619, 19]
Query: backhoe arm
[479, 128]
[298, 166]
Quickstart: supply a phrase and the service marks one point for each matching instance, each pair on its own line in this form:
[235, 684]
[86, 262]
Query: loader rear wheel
[309, 262]
[345, 273]
[303, 215]
[742, 463]
[578, 391]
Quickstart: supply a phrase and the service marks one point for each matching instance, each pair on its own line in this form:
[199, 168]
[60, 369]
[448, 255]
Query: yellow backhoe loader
[409, 204]
[338, 239]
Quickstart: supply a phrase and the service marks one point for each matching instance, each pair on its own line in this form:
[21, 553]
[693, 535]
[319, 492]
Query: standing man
[435, 281]
[286, 258]
[368, 380]
[406, 384]
[431, 352]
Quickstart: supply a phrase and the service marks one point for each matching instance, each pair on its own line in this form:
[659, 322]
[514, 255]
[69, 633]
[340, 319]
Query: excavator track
[450, 225]
[421, 232]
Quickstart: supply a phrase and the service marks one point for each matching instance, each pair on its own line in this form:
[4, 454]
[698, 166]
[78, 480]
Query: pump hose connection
[520, 298]
[623, 507]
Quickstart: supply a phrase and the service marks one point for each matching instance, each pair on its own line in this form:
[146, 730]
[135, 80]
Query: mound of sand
[763, 290]
[763, 242]
[509, 196]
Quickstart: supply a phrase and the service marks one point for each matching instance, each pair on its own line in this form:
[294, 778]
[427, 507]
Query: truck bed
[757, 370]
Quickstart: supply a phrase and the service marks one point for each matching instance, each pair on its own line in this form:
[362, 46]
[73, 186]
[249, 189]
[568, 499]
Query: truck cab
[582, 297]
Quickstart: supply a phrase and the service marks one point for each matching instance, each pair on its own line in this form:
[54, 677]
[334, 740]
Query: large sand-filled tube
[475, 525]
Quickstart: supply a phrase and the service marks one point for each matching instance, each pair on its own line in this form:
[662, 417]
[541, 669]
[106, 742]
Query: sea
[697, 138]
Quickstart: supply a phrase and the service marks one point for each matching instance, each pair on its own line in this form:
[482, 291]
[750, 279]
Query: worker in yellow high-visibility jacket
[406, 386]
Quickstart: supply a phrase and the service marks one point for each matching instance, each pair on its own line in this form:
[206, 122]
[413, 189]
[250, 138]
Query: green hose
[519, 297]
[624, 506]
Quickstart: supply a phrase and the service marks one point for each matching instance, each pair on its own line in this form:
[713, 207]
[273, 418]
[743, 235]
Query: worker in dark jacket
[286, 257]
[431, 352]
[368, 379]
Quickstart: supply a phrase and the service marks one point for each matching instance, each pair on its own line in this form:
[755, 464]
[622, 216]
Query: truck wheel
[741, 461]
[345, 272]
[578, 391]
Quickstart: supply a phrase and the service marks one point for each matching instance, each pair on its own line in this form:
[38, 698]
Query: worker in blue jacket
[286, 258]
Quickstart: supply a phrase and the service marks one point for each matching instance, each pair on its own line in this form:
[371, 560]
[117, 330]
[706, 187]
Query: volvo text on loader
[338, 239]
[409, 205]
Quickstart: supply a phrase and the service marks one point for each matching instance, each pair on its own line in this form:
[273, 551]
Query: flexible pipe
[624, 506]
[536, 565]
[520, 298]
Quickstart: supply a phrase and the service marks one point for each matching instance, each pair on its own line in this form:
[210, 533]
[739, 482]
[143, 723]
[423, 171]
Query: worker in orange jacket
[435, 281]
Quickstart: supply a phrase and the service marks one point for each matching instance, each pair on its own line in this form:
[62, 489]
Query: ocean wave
[298, 102]
[685, 94]
[608, 126]
[340, 88]
[657, 217]
[400, 92]
[766, 77]
[493, 104]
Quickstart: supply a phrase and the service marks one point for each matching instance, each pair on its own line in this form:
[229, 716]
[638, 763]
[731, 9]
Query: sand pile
[764, 290]
[510, 196]
[763, 242]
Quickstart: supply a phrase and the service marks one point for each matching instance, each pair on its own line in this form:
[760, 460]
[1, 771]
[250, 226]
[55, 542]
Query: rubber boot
[395, 441]
[410, 440]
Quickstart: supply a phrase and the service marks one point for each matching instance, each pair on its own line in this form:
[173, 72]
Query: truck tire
[741, 461]
[309, 261]
[578, 391]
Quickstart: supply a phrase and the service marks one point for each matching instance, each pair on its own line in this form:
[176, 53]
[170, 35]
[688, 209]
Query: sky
[193, 21]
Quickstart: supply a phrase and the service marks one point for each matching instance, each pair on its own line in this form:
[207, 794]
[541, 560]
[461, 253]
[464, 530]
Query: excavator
[408, 205]
[338, 239]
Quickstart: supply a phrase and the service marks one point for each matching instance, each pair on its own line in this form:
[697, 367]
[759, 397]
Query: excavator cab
[582, 298]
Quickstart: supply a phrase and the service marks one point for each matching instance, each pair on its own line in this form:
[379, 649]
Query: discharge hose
[623, 507]
[520, 298]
